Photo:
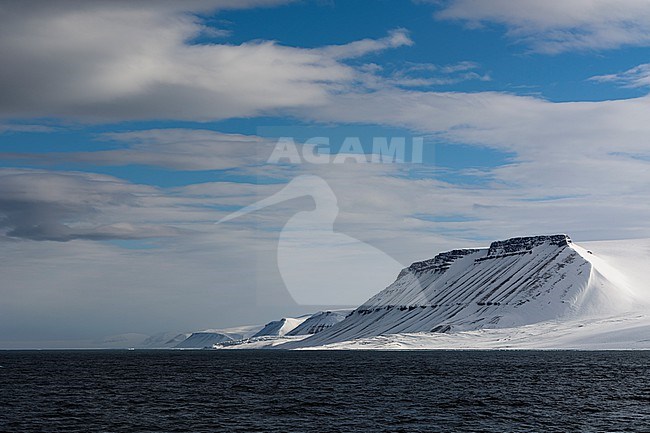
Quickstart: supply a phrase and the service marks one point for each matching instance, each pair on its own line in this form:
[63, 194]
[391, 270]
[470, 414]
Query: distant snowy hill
[303, 325]
[209, 337]
[164, 340]
[513, 283]
[199, 340]
[319, 322]
[121, 341]
[280, 328]
[176, 340]
[287, 329]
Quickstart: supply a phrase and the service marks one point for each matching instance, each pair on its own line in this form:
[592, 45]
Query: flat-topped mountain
[514, 282]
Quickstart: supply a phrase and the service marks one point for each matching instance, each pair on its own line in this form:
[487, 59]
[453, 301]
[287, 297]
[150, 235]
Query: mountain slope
[164, 340]
[279, 328]
[623, 332]
[318, 322]
[208, 337]
[516, 282]
[199, 340]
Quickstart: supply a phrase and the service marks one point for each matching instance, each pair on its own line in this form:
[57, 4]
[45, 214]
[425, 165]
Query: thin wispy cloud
[177, 149]
[557, 26]
[636, 77]
[395, 39]
[428, 74]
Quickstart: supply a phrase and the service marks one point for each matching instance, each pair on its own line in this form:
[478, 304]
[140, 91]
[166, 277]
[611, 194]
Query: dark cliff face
[439, 263]
[525, 244]
[521, 245]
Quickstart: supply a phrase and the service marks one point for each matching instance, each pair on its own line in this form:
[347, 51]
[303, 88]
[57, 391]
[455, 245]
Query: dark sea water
[279, 391]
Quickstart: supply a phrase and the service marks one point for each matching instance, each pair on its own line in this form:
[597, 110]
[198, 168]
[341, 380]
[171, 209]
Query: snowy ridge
[199, 340]
[516, 282]
[287, 330]
[165, 340]
[318, 322]
[279, 328]
[210, 337]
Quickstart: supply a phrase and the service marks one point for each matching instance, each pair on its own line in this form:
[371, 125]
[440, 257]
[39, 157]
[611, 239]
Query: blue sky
[507, 65]
[128, 129]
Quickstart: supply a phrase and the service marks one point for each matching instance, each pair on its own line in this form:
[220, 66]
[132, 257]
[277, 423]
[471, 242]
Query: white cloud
[395, 39]
[638, 76]
[555, 26]
[178, 149]
[570, 159]
[564, 154]
[526, 125]
[62, 206]
[414, 75]
[118, 60]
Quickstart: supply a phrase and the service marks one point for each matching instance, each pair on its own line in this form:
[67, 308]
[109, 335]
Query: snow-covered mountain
[280, 328]
[303, 325]
[287, 329]
[199, 340]
[513, 283]
[164, 340]
[526, 292]
[209, 337]
[319, 322]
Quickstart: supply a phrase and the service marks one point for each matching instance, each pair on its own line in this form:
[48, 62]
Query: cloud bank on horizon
[128, 128]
